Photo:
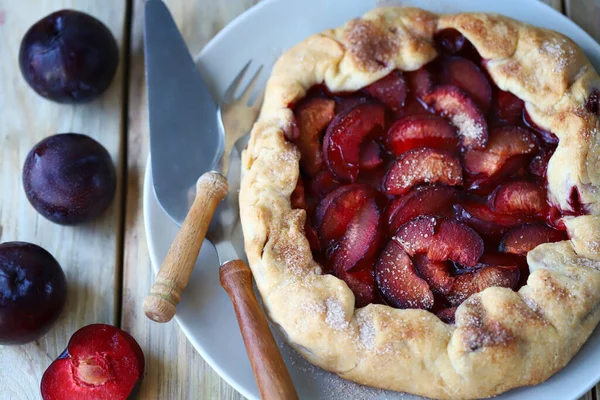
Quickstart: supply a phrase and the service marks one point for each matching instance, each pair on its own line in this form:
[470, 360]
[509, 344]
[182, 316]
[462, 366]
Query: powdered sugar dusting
[466, 125]
[335, 317]
[559, 50]
[370, 46]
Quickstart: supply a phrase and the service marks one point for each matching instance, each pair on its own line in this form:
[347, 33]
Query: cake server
[184, 123]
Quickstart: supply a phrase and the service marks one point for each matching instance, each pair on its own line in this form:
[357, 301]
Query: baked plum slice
[483, 219]
[539, 164]
[359, 244]
[437, 274]
[504, 143]
[452, 103]
[424, 165]
[338, 208]
[435, 200]
[399, 282]
[420, 131]
[449, 40]
[346, 133]
[467, 76]
[420, 82]
[100, 362]
[440, 240]
[312, 117]
[509, 108]
[523, 239]
[446, 314]
[469, 283]
[362, 284]
[520, 198]
[390, 90]
[370, 156]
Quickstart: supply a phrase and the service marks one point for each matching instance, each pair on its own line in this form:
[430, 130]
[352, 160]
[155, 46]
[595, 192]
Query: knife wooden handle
[271, 374]
[177, 266]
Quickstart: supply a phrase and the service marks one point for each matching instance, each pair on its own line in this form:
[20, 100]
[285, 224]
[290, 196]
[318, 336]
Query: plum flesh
[69, 57]
[101, 362]
[33, 291]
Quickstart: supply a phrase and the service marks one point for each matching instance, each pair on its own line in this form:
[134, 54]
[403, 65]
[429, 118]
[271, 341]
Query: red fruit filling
[100, 362]
[416, 203]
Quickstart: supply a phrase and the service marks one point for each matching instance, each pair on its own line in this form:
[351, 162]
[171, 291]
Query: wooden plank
[174, 370]
[586, 13]
[558, 4]
[90, 253]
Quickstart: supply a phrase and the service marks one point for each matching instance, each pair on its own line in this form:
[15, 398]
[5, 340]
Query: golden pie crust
[501, 339]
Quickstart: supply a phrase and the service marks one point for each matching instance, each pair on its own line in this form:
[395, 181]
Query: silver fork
[271, 374]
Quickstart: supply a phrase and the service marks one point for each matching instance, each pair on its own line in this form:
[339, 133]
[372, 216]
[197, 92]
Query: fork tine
[230, 92]
[257, 104]
[245, 96]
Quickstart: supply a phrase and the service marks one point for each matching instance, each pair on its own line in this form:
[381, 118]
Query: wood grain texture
[585, 13]
[557, 4]
[89, 253]
[164, 345]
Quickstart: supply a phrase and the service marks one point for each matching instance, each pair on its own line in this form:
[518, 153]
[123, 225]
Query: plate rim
[147, 194]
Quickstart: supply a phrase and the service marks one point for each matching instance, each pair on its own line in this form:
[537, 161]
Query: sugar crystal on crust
[370, 46]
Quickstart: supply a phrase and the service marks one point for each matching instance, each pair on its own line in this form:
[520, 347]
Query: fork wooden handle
[271, 374]
[177, 266]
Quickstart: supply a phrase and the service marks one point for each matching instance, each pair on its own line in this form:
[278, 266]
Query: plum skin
[69, 178]
[33, 292]
[69, 57]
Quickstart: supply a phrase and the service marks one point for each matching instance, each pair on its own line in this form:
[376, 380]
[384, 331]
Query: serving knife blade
[185, 140]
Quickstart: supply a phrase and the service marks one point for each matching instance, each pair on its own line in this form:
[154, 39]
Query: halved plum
[481, 218]
[467, 76]
[505, 143]
[398, 281]
[338, 208]
[509, 108]
[519, 198]
[390, 90]
[424, 165]
[434, 200]
[523, 239]
[361, 240]
[470, 283]
[101, 362]
[437, 274]
[312, 117]
[420, 131]
[345, 135]
[440, 240]
[452, 103]
[370, 156]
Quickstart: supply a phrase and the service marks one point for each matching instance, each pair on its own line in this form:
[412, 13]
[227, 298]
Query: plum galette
[420, 206]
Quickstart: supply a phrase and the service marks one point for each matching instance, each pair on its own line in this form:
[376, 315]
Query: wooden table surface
[107, 262]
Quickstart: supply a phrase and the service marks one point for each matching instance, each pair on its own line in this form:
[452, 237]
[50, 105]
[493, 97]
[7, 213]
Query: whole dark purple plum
[33, 291]
[69, 57]
[69, 178]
